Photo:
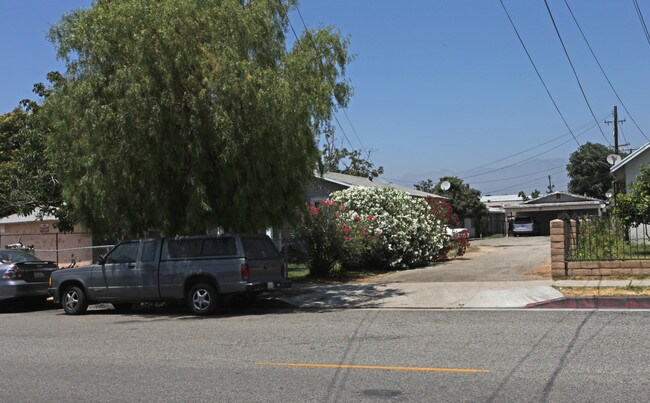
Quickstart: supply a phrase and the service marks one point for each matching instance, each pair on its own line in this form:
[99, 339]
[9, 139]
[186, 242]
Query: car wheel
[74, 301]
[202, 299]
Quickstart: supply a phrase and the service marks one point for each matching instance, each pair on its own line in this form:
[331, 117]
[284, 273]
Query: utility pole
[615, 130]
[616, 122]
[550, 185]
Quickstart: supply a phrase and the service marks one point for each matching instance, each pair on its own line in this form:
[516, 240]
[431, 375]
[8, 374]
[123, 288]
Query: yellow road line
[385, 367]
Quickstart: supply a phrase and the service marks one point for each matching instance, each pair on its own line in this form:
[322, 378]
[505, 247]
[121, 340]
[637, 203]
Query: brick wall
[559, 267]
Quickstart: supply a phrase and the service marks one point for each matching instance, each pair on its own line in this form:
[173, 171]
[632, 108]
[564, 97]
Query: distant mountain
[504, 179]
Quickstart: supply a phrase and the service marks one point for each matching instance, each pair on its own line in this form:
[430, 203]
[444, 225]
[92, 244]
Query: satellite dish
[445, 185]
[613, 159]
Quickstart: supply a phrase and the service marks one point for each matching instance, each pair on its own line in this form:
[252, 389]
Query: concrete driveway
[502, 259]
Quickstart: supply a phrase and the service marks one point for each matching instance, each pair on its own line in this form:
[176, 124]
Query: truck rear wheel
[202, 299]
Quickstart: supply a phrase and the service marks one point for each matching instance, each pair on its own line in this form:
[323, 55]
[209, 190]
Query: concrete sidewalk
[447, 295]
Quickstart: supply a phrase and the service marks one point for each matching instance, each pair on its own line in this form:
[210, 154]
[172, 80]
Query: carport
[555, 205]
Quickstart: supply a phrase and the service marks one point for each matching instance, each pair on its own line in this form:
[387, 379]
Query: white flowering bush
[387, 227]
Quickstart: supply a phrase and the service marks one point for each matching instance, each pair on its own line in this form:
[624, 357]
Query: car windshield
[16, 256]
[523, 220]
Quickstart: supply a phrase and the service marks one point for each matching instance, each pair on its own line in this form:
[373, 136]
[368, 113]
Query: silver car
[525, 226]
[24, 276]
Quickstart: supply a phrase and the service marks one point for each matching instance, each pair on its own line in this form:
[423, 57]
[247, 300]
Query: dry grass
[604, 291]
[540, 271]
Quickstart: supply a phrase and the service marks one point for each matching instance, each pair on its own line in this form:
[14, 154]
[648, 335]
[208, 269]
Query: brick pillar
[558, 265]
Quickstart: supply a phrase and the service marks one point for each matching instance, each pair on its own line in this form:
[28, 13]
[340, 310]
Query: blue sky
[439, 85]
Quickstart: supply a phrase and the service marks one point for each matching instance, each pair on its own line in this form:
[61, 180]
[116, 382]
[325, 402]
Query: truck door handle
[266, 267]
[131, 265]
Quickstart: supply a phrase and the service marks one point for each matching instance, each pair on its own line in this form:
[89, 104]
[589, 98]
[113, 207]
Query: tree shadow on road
[306, 297]
[342, 296]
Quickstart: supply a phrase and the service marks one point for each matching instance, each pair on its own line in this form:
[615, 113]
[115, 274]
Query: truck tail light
[285, 273]
[245, 274]
[12, 273]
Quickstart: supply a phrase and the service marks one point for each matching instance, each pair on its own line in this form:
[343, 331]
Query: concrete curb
[594, 303]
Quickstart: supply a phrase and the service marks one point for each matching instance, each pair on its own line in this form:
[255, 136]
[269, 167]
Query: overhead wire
[539, 75]
[520, 176]
[528, 182]
[603, 70]
[513, 155]
[526, 159]
[575, 73]
[623, 134]
[542, 144]
[335, 118]
[642, 20]
[490, 181]
[363, 148]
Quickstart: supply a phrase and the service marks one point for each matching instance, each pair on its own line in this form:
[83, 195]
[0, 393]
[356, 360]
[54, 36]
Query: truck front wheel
[202, 299]
[74, 301]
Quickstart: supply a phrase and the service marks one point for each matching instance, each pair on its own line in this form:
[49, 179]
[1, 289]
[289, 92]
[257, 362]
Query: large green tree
[11, 123]
[185, 115]
[26, 174]
[588, 170]
[465, 200]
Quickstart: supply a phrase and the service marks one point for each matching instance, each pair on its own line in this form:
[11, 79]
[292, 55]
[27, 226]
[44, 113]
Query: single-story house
[555, 205]
[322, 186]
[497, 220]
[628, 168]
[625, 173]
[48, 242]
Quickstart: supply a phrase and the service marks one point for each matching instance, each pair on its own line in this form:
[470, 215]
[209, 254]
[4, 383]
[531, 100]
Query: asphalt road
[375, 355]
[500, 259]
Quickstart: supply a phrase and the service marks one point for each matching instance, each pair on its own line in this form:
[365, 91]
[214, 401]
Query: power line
[343, 109]
[538, 73]
[490, 181]
[519, 185]
[335, 118]
[623, 134]
[603, 70]
[642, 20]
[542, 144]
[519, 176]
[575, 73]
[513, 155]
[527, 159]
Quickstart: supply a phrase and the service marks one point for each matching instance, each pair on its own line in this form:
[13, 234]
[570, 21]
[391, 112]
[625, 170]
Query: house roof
[557, 201]
[629, 158]
[351, 180]
[547, 198]
[498, 199]
[16, 219]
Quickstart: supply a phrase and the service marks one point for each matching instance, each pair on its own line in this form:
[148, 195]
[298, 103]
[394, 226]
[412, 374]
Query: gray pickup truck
[201, 270]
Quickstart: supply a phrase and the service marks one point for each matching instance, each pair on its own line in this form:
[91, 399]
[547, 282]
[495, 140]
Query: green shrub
[320, 229]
